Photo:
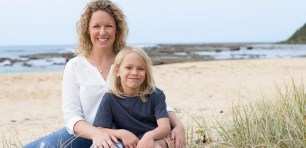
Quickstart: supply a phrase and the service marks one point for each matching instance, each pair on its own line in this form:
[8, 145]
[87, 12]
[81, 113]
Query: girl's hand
[147, 141]
[100, 139]
[129, 140]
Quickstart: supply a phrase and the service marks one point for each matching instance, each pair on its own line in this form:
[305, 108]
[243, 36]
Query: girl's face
[102, 30]
[132, 74]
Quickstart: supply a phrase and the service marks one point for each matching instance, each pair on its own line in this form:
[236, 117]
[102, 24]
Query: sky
[53, 22]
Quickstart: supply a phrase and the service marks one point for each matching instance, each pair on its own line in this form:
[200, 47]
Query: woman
[102, 32]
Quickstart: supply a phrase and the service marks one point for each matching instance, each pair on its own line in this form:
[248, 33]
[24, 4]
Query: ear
[117, 71]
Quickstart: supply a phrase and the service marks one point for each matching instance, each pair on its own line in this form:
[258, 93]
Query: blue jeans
[60, 139]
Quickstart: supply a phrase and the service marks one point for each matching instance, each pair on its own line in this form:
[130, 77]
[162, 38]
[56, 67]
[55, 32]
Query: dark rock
[234, 48]
[48, 55]
[25, 64]
[249, 47]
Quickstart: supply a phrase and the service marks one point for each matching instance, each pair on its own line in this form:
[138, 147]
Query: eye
[141, 68]
[128, 67]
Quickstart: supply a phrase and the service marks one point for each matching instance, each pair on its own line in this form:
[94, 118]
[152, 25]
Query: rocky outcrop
[174, 53]
[299, 37]
[160, 54]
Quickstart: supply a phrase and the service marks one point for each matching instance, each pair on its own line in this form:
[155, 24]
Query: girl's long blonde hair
[147, 87]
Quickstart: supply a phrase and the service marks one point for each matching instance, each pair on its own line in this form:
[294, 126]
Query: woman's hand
[103, 139]
[178, 131]
[129, 140]
[178, 136]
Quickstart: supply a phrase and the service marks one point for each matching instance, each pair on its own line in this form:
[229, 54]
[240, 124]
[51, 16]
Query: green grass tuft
[270, 122]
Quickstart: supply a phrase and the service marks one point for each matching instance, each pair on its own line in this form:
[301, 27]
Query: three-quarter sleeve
[71, 105]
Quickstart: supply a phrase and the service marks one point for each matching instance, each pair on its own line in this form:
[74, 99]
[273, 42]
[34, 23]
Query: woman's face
[132, 73]
[102, 30]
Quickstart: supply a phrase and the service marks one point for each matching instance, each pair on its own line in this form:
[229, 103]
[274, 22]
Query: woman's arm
[178, 131]
[86, 130]
[71, 103]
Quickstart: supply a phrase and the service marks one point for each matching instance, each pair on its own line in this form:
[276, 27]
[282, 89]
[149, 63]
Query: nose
[134, 71]
[102, 31]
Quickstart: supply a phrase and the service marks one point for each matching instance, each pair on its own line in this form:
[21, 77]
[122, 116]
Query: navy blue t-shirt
[131, 113]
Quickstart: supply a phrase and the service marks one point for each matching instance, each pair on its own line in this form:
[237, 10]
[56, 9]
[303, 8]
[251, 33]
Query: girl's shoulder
[108, 97]
[108, 94]
[158, 91]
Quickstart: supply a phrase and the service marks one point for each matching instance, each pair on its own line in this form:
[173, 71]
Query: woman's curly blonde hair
[84, 43]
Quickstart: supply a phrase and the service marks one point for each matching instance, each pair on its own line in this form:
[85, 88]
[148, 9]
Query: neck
[131, 92]
[102, 60]
[101, 55]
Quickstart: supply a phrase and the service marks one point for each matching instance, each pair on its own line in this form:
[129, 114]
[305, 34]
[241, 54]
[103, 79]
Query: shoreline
[160, 54]
[31, 102]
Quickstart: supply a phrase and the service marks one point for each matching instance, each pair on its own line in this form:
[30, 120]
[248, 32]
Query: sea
[14, 59]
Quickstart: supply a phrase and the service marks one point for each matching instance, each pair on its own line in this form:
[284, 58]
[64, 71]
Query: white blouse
[82, 90]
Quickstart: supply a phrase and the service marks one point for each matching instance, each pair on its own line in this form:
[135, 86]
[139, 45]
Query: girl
[134, 105]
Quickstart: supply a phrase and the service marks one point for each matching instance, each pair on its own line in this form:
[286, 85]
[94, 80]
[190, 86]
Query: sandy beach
[31, 102]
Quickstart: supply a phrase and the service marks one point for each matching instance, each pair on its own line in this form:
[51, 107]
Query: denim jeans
[60, 139]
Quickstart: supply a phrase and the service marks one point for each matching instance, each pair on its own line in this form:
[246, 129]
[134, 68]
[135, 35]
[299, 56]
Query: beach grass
[11, 140]
[197, 131]
[269, 122]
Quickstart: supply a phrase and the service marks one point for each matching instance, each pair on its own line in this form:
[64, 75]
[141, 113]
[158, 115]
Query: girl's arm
[104, 121]
[161, 131]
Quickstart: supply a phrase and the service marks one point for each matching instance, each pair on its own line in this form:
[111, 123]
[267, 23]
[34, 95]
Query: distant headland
[299, 37]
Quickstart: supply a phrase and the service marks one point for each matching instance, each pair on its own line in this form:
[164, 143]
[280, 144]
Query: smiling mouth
[103, 39]
[134, 78]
